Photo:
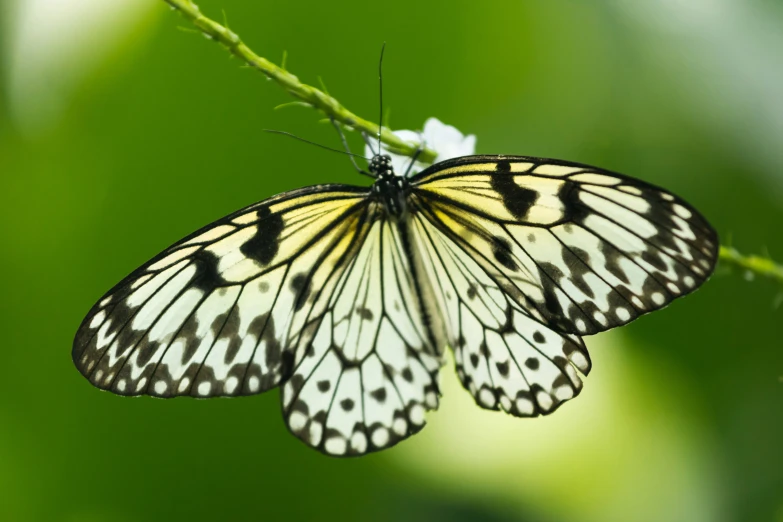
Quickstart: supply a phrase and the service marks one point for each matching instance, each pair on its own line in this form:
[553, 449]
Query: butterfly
[347, 297]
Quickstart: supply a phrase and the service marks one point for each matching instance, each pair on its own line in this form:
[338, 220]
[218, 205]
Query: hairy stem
[758, 265]
[327, 104]
[306, 93]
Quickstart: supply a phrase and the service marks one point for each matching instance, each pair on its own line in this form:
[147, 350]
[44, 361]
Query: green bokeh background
[162, 135]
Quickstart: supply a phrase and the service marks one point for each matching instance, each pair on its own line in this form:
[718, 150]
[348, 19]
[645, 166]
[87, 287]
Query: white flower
[445, 140]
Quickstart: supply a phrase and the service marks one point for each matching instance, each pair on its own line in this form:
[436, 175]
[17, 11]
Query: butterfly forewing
[212, 314]
[579, 248]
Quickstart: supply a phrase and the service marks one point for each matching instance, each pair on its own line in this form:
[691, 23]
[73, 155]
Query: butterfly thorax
[389, 188]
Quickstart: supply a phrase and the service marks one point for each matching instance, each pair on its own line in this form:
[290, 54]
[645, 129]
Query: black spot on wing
[231, 332]
[550, 275]
[654, 259]
[258, 324]
[503, 166]
[262, 328]
[217, 324]
[207, 276]
[575, 210]
[364, 312]
[300, 284]
[189, 333]
[612, 258]
[264, 244]
[145, 350]
[516, 199]
[379, 395]
[297, 382]
[578, 270]
[274, 356]
[501, 249]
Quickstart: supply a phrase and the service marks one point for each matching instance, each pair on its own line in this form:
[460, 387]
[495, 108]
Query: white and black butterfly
[346, 297]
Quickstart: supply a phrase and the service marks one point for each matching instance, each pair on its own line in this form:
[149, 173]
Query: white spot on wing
[204, 388]
[335, 446]
[555, 170]
[173, 257]
[595, 179]
[143, 293]
[158, 303]
[635, 203]
[212, 234]
[359, 442]
[380, 437]
[97, 319]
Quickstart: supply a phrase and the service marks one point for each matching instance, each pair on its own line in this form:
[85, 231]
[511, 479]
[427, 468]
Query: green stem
[307, 93]
[327, 104]
[762, 266]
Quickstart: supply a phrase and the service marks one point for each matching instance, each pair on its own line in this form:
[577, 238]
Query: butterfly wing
[212, 315]
[315, 290]
[505, 358]
[365, 371]
[310, 289]
[578, 248]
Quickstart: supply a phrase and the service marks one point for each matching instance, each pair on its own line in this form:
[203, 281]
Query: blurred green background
[119, 134]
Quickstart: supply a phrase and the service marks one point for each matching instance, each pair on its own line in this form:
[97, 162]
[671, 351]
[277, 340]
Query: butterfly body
[347, 297]
[392, 190]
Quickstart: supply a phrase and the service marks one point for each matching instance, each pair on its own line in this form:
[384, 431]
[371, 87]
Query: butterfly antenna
[273, 131]
[380, 81]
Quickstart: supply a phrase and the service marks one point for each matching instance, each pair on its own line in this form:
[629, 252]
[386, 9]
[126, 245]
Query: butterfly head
[381, 166]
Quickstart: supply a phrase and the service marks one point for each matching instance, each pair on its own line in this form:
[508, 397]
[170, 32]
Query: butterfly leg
[348, 149]
[368, 141]
[413, 160]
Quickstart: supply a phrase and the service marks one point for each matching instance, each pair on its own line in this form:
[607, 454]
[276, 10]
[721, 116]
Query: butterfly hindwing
[577, 247]
[364, 374]
[506, 359]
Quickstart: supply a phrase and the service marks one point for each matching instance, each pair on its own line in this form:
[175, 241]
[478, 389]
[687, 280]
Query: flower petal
[445, 140]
